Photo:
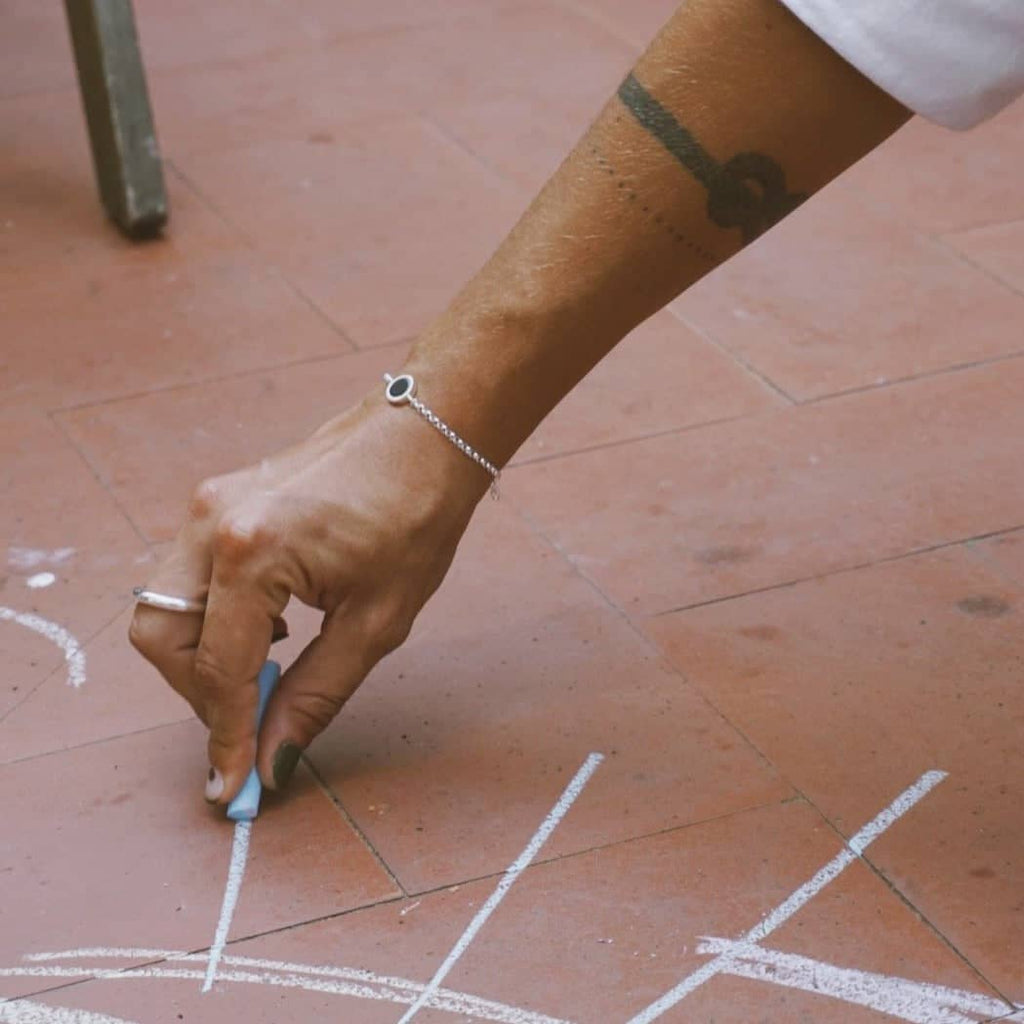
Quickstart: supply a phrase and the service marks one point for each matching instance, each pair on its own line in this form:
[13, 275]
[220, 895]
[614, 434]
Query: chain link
[438, 424]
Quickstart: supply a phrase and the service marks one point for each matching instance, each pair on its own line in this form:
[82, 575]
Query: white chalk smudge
[58, 635]
[913, 1001]
[341, 981]
[236, 872]
[21, 1011]
[31, 558]
[558, 812]
[785, 910]
[41, 580]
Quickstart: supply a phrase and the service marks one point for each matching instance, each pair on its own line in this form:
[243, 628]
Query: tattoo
[657, 218]
[746, 192]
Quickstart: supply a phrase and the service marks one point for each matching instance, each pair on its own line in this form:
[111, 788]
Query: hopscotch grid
[905, 900]
[569, 796]
[851, 852]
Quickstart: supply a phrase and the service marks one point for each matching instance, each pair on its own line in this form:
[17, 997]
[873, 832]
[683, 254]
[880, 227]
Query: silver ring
[167, 602]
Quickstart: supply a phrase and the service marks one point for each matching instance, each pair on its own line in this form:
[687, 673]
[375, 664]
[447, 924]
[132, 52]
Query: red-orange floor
[768, 560]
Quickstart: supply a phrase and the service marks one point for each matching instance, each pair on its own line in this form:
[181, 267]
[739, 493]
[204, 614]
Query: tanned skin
[735, 115]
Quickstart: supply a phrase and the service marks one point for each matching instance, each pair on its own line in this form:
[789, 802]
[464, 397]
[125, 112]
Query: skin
[734, 116]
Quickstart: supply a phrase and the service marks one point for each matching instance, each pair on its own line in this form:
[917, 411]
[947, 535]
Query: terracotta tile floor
[768, 560]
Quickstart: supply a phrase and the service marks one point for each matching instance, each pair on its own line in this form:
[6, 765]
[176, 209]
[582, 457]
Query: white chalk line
[540, 837]
[58, 635]
[236, 872]
[785, 910]
[21, 1011]
[341, 981]
[917, 1002]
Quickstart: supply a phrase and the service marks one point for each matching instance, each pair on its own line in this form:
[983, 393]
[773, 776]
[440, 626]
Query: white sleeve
[955, 62]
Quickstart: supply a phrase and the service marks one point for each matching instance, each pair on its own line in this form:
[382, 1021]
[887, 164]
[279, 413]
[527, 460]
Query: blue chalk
[246, 805]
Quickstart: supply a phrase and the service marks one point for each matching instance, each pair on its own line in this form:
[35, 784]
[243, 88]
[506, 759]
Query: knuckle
[316, 711]
[210, 675]
[238, 537]
[206, 499]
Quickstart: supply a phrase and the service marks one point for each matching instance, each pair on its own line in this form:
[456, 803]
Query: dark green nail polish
[285, 760]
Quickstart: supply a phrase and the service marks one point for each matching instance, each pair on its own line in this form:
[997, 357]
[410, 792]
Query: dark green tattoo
[747, 192]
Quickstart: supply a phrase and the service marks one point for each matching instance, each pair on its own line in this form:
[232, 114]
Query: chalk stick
[246, 805]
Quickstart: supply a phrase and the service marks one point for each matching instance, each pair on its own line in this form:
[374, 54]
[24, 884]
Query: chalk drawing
[905, 999]
[915, 1001]
[58, 635]
[785, 910]
[30, 558]
[342, 981]
[540, 837]
[21, 1011]
[236, 872]
[41, 580]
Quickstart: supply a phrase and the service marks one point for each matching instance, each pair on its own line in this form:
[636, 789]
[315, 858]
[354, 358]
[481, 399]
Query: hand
[361, 520]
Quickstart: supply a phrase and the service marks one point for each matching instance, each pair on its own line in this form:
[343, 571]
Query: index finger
[237, 631]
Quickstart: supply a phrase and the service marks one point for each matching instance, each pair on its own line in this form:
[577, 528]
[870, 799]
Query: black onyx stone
[399, 387]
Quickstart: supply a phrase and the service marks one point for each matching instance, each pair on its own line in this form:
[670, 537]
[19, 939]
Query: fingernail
[285, 760]
[214, 785]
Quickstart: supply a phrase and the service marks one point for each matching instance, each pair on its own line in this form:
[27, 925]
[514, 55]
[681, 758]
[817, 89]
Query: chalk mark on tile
[518, 866]
[57, 635]
[236, 872]
[918, 1002]
[785, 910]
[22, 1011]
[342, 981]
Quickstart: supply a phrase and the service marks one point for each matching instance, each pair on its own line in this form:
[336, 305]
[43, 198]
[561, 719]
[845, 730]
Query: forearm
[734, 115]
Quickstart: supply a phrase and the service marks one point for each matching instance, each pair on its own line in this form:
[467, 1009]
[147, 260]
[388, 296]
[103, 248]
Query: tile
[152, 450]
[35, 51]
[459, 743]
[189, 32]
[996, 249]
[721, 510]
[499, 78]
[855, 684]
[940, 180]
[591, 939]
[637, 22]
[55, 519]
[1005, 552]
[379, 228]
[843, 296]
[112, 845]
[52, 225]
[89, 316]
[120, 694]
[664, 376]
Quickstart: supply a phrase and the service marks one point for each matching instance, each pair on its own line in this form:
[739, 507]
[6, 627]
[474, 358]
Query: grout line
[533, 460]
[508, 879]
[61, 666]
[258, 251]
[98, 741]
[857, 567]
[944, 243]
[732, 356]
[363, 837]
[98, 477]
[851, 851]
[223, 378]
[906, 901]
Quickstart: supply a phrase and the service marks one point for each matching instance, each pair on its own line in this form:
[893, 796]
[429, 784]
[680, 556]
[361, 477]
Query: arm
[734, 115]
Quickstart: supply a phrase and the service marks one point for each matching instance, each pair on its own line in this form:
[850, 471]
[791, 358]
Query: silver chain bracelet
[402, 391]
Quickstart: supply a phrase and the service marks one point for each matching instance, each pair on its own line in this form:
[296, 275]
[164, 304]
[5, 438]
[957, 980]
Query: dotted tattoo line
[670, 229]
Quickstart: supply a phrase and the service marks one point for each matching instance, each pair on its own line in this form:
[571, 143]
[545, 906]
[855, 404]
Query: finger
[236, 637]
[311, 693]
[169, 639]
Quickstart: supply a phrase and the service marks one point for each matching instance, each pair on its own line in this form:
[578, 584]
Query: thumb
[311, 693]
